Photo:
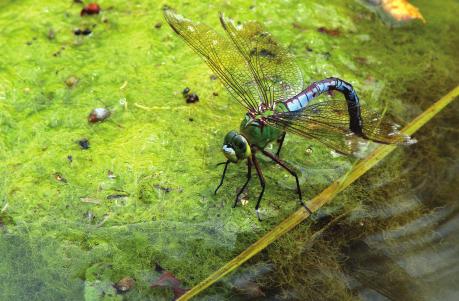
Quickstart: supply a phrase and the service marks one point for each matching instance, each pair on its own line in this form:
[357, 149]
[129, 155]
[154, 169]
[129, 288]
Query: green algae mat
[85, 205]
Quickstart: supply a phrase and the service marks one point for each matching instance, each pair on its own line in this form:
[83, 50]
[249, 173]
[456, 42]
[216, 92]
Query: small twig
[4, 208]
[124, 85]
[156, 108]
[90, 200]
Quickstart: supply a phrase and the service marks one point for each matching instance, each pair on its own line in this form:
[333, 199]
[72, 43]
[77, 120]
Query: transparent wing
[222, 56]
[328, 122]
[277, 75]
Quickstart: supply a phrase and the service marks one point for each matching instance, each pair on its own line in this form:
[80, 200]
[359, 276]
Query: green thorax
[256, 133]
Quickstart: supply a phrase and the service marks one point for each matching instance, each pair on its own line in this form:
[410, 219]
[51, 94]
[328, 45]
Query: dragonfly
[265, 79]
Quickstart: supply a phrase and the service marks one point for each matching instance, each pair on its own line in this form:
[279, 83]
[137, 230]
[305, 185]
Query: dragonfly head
[236, 147]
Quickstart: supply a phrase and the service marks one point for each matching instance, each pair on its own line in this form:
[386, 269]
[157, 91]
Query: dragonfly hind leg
[249, 175]
[280, 141]
[292, 172]
[262, 183]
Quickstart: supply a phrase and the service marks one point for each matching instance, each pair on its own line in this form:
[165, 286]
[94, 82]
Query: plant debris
[167, 279]
[57, 53]
[71, 81]
[84, 32]
[90, 200]
[331, 32]
[243, 197]
[111, 175]
[59, 177]
[124, 285]
[361, 60]
[186, 91]
[401, 10]
[89, 215]
[248, 288]
[51, 34]
[165, 189]
[83, 143]
[98, 115]
[5, 220]
[190, 97]
[299, 26]
[117, 196]
[90, 9]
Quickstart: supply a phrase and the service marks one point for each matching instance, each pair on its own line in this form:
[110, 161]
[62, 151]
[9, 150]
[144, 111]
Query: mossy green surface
[73, 239]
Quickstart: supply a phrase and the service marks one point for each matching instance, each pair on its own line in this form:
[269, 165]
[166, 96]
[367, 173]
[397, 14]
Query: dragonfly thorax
[235, 147]
[257, 131]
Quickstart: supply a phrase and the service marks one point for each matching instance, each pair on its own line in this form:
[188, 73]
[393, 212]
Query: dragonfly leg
[262, 183]
[292, 172]
[249, 175]
[280, 141]
[223, 175]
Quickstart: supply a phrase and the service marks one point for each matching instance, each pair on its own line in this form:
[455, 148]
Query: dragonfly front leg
[292, 172]
[223, 175]
[280, 141]
[262, 182]
[249, 175]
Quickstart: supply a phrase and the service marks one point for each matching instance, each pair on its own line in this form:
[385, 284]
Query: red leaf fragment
[90, 9]
[331, 32]
[167, 279]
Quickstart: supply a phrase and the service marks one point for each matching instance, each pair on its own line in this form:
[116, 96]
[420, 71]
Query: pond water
[101, 211]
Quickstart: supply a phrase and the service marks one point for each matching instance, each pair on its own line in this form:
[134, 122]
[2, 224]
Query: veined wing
[275, 71]
[328, 122]
[223, 58]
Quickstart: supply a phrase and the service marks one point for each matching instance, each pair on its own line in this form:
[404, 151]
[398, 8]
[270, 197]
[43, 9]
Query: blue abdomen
[301, 100]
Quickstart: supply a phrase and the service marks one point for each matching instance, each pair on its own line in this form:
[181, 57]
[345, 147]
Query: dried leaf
[124, 285]
[401, 10]
[167, 279]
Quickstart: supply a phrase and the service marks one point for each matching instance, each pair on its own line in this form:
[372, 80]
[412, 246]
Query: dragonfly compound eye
[230, 137]
[241, 147]
[240, 144]
[235, 147]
